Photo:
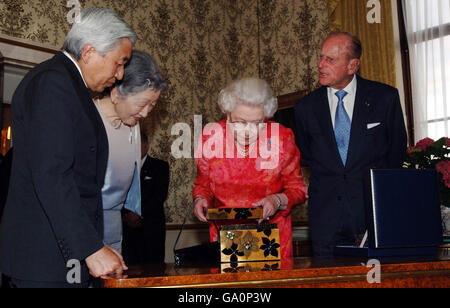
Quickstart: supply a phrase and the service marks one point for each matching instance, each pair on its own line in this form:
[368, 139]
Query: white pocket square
[147, 178]
[372, 125]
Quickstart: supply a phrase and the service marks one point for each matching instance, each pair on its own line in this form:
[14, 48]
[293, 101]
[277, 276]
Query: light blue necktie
[342, 126]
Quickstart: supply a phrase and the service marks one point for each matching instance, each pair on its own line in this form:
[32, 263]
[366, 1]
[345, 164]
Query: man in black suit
[345, 128]
[5, 172]
[51, 230]
[144, 238]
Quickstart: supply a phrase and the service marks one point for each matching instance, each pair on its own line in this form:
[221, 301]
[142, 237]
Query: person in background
[144, 238]
[131, 100]
[52, 222]
[240, 175]
[345, 128]
[5, 173]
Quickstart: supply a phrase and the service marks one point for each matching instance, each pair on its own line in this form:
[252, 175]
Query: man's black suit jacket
[147, 243]
[5, 172]
[54, 209]
[377, 140]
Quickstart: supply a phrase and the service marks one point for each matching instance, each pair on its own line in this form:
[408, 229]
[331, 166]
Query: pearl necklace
[242, 150]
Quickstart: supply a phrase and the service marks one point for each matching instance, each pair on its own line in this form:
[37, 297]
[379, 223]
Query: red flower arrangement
[430, 154]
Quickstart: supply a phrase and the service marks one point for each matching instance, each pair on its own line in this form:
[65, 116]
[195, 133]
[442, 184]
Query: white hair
[248, 91]
[100, 27]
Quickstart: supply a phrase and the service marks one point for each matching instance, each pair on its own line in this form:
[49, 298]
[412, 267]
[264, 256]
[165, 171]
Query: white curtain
[428, 30]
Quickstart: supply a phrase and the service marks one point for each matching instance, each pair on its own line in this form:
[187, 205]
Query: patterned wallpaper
[200, 46]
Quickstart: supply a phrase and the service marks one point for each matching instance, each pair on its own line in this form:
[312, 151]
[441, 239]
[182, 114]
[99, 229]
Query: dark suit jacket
[336, 192]
[154, 188]
[5, 173]
[147, 244]
[54, 209]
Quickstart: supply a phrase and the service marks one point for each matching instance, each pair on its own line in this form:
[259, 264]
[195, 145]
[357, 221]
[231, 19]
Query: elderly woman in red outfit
[249, 161]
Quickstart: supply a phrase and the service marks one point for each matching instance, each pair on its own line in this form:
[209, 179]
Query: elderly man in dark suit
[51, 231]
[345, 128]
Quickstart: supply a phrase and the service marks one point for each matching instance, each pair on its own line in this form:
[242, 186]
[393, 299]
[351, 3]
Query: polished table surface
[296, 272]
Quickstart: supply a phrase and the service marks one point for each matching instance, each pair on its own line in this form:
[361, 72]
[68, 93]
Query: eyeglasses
[241, 125]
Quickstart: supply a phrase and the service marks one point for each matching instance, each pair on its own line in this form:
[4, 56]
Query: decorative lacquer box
[243, 243]
[235, 213]
[250, 267]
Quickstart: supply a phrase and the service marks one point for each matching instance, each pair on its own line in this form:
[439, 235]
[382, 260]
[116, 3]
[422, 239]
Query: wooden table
[298, 272]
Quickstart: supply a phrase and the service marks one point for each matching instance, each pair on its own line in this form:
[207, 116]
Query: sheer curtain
[428, 29]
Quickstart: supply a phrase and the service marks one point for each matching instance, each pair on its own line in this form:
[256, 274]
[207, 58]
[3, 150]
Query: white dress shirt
[143, 160]
[349, 99]
[76, 64]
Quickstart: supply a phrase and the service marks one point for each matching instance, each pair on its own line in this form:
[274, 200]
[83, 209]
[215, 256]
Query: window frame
[406, 69]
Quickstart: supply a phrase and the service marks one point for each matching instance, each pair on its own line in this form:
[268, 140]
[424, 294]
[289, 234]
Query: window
[427, 25]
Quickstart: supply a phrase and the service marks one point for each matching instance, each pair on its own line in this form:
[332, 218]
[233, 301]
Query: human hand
[119, 255]
[200, 209]
[105, 261]
[269, 205]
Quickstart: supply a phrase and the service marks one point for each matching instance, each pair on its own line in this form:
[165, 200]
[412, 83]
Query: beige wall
[200, 46]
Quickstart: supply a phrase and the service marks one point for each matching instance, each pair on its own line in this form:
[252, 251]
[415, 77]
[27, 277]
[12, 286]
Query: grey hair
[141, 73]
[248, 91]
[100, 27]
[355, 48]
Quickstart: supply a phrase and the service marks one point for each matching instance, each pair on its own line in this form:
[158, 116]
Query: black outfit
[5, 172]
[146, 244]
[336, 192]
[54, 209]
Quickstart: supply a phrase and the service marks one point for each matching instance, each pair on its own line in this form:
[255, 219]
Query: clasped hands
[106, 262]
[269, 205]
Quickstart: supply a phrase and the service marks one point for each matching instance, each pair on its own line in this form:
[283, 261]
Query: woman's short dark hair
[141, 73]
